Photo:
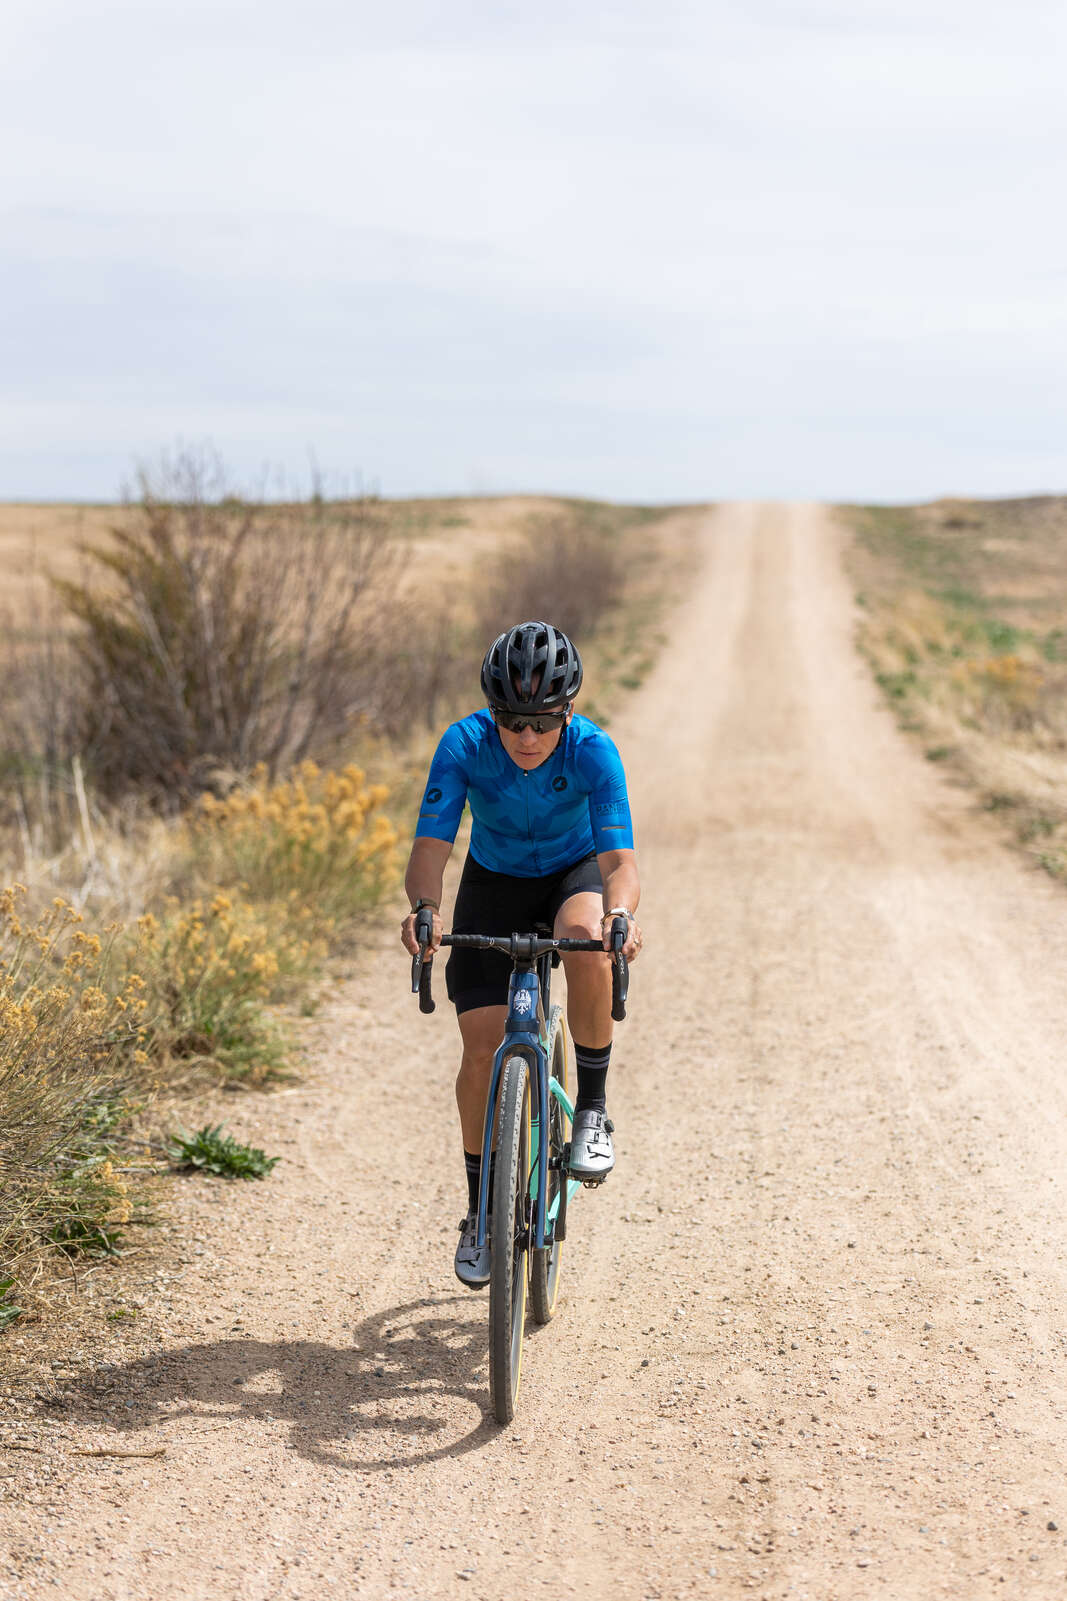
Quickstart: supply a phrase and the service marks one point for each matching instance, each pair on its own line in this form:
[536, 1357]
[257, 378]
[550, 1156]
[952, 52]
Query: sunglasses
[543, 723]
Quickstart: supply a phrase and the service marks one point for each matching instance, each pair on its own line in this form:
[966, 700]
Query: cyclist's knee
[579, 918]
[481, 1029]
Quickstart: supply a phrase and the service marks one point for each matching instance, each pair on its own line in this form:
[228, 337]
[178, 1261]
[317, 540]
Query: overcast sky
[656, 251]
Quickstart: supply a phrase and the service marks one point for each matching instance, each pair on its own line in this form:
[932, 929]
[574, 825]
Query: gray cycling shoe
[592, 1153]
[472, 1265]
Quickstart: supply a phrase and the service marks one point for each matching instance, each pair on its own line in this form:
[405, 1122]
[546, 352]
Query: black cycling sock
[472, 1161]
[592, 1064]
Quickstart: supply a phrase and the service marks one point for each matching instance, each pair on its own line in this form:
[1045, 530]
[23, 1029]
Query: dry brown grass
[965, 625]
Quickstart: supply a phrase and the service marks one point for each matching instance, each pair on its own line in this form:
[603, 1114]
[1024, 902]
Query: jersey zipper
[529, 824]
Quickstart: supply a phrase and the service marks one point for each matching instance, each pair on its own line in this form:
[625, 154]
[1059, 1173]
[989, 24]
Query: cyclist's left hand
[411, 944]
[634, 940]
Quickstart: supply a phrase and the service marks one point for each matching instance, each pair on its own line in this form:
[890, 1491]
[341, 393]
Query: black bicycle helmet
[524, 654]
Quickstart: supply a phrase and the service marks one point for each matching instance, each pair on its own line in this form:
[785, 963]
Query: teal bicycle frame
[525, 1007]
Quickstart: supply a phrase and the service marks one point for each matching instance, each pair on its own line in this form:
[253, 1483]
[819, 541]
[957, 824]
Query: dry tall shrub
[220, 632]
[565, 569]
[422, 664]
[40, 736]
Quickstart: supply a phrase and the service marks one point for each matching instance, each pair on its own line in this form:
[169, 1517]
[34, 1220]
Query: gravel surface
[811, 1339]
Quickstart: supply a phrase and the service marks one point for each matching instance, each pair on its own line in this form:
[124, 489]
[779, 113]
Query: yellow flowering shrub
[317, 843]
[282, 870]
[213, 966]
[72, 1037]
[1001, 693]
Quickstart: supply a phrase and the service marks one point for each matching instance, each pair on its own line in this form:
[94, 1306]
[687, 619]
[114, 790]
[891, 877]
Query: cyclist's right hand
[408, 936]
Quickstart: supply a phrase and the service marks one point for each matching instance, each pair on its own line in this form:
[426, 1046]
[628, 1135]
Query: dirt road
[812, 1334]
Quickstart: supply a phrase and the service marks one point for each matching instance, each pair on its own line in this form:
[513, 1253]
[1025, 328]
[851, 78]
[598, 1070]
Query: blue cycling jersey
[531, 823]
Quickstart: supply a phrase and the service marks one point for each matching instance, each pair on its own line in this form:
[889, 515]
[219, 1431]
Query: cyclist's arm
[622, 883]
[613, 835]
[440, 810]
[424, 880]
[609, 807]
[622, 887]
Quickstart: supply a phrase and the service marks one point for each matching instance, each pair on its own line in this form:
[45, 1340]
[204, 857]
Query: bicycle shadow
[412, 1374]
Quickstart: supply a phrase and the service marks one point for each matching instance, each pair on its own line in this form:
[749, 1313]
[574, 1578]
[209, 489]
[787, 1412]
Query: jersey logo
[433, 795]
[559, 784]
[609, 808]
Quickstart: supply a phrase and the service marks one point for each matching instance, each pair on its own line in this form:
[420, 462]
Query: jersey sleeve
[445, 794]
[609, 806]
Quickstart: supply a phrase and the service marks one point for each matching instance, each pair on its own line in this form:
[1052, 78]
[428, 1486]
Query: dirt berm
[812, 1333]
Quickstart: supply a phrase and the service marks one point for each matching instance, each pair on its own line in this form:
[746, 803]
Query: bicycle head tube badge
[522, 1004]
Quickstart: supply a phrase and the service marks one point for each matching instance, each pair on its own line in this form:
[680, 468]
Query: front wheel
[510, 1239]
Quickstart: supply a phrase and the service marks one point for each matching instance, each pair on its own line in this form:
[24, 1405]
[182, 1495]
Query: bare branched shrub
[219, 631]
[39, 724]
[421, 666]
[566, 569]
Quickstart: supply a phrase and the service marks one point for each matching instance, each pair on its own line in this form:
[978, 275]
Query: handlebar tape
[426, 1000]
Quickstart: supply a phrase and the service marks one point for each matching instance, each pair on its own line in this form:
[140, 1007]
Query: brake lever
[422, 965]
[620, 969]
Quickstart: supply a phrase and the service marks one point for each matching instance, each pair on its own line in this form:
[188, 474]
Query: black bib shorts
[498, 903]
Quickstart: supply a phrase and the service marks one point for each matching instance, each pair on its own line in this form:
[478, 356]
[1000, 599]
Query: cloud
[570, 249]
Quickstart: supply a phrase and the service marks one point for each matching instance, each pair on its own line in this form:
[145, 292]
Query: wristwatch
[424, 900]
[618, 911]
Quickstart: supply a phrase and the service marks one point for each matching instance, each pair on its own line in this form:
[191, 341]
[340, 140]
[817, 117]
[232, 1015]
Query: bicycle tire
[509, 1241]
[545, 1265]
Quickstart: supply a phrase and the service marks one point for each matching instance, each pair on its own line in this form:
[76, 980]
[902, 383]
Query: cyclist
[551, 843]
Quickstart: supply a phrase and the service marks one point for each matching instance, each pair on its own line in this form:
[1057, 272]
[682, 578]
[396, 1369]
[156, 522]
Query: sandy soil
[812, 1333]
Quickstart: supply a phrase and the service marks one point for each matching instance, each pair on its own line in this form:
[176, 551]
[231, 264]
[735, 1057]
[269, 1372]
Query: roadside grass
[200, 937]
[965, 627]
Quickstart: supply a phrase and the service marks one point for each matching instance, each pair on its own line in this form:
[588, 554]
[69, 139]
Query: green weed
[78, 1237]
[897, 685]
[210, 1151]
[998, 801]
[8, 1311]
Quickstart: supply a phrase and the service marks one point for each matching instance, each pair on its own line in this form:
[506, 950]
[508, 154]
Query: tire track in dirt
[812, 1335]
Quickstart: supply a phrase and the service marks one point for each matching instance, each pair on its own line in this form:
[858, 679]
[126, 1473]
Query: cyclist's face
[527, 749]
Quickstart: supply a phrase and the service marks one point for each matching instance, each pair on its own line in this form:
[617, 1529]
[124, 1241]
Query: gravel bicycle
[528, 1116]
